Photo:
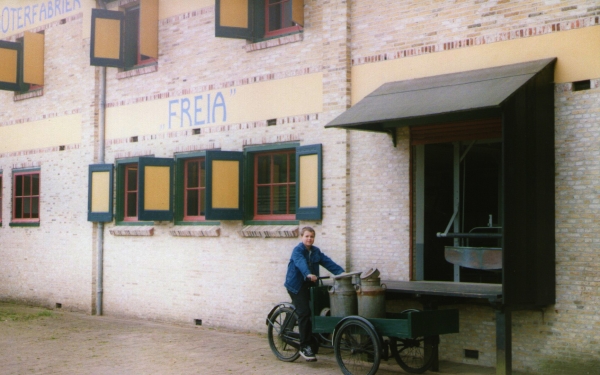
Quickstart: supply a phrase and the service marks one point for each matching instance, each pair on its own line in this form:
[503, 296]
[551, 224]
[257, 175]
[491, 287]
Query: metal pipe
[101, 149]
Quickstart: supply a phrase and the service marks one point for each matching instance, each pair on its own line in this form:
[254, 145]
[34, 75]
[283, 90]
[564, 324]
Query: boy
[302, 274]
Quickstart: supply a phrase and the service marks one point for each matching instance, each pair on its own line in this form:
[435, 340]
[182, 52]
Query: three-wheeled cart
[360, 343]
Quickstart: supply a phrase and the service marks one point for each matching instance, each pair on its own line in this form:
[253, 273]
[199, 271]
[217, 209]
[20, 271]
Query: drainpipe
[100, 237]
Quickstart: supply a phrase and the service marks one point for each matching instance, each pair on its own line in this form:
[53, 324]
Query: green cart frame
[359, 343]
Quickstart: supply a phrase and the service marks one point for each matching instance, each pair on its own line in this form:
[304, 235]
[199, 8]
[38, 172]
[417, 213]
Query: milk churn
[371, 295]
[342, 295]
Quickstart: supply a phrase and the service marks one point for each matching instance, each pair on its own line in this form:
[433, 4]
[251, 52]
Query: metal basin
[481, 258]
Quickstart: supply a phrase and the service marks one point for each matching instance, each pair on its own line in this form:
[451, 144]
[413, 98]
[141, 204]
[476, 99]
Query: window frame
[249, 20]
[29, 220]
[284, 30]
[120, 193]
[137, 36]
[291, 175]
[179, 217]
[126, 192]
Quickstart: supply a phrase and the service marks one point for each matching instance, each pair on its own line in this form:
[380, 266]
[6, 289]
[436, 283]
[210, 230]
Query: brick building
[211, 97]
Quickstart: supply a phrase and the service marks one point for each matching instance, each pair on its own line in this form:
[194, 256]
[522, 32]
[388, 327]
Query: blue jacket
[302, 264]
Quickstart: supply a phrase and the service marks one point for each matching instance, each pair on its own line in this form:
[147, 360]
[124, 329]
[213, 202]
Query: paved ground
[39, 341]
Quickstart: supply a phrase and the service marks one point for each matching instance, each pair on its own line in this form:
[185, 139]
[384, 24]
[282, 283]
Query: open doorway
[459, 205]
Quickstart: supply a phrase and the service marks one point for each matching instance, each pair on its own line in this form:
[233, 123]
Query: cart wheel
[283, 329]
[357, 348]
[414, 355]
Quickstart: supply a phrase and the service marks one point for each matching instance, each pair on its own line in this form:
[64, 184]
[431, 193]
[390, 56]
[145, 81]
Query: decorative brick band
[213, 231]
[74, 17]
[218, 129]
[40, 150]
[137, 72]
[270, 231]
[132, 231]
[40, 117]
[480, 40]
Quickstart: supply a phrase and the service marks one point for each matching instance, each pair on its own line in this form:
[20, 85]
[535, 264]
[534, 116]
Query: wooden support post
[503, 342]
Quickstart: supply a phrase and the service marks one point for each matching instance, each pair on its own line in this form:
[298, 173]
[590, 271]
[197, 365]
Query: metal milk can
[342, 295]
[371, 295]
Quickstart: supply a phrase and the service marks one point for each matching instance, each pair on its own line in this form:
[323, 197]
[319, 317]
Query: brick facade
[230, 275]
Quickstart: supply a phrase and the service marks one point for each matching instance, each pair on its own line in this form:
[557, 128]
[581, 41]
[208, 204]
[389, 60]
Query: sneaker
[308, 354]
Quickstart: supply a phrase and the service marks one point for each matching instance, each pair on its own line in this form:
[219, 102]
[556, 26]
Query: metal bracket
[392, 132]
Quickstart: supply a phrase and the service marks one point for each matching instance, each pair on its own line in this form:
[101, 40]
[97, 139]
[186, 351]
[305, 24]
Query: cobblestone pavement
[39, 341]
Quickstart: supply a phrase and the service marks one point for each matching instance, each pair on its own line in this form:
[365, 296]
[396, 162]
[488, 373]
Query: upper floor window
[26, 196]
[127, 38]
[22, 63]
[258, 19]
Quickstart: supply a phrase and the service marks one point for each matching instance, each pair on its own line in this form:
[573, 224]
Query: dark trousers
[301, 302]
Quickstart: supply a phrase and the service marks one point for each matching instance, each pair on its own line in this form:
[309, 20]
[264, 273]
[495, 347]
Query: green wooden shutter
[10, 65]
[155, 188]
[224, 188]
[100, 192]
[309, 199]
[106, 46]
[234, 19]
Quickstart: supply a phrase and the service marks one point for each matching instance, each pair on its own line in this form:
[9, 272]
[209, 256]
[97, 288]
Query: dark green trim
[17, 224]
[101, 216]
[271, 147]
[224, 213]
[271, 222]
[8, 86]
[134, 223]
[106, 14]
[206, 223]
[236, 32]
[310, 213]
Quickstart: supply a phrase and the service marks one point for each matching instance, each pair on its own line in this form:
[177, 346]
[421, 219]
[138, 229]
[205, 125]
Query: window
[26, 196]
[258, 19]
[130, 193]
[22, 63]
[144, 189]
[126, 38]
[275, 185]
[191, 188]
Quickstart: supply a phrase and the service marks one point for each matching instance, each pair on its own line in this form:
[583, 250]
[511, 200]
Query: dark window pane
[35, 208]
[202, 202]
[131, 209]
[26, 185]
[132, 179]
[292, 167]
[35, 184]
[19, 208]
[26, 208]
[292, 199]
[264, 169]
[192, 203]
[18, 186]
[192, 170]
[280, 200]
[203, 174]
[263, 206]
[280, 168]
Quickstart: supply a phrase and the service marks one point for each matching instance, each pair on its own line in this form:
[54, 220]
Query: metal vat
[342, 295]
[371, 295]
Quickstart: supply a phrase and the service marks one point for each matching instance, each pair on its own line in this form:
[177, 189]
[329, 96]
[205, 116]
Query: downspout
[101, 142]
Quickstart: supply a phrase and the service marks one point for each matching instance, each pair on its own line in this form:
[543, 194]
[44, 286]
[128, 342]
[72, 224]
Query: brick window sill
[137, 72]
[270, 231]
[132, 231]
[287, 39]
[28, 95]
[195, 231]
